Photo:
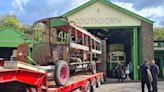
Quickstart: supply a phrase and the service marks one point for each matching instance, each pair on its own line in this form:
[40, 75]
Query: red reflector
[1, 61]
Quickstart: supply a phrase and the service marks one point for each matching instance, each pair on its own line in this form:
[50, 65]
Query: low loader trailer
[34, 80]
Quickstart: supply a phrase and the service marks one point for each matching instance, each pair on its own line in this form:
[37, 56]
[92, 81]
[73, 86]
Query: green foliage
[10, 20]
[159, 33]
[27, 29]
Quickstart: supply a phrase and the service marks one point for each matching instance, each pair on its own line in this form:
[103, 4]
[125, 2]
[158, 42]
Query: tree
[10, 20]
[27, 29]
[159, 33]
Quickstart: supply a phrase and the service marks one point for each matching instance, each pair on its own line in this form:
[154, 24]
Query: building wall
[101, 15]
[147, 41]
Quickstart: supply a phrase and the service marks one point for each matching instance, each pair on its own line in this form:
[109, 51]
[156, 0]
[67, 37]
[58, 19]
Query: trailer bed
[38, 81]
[73, 83]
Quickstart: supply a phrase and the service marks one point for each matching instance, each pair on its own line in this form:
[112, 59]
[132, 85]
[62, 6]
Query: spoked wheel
[98, 82]
[61, 74]
[93, 87]
[93, 67]
[88, 87]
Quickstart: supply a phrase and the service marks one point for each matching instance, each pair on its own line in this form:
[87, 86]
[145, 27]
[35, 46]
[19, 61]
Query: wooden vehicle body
[61, 43]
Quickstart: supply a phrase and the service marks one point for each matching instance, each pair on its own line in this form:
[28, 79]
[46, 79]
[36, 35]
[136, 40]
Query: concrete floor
[126, 87]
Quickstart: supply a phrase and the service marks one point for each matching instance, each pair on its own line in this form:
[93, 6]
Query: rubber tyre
[93, 67]
[88, 87]
[93, 87]
[61, 73]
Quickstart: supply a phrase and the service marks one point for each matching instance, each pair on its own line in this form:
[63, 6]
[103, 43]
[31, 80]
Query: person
[120, 72]
[130, 70]
[154, 71]
[146, 76]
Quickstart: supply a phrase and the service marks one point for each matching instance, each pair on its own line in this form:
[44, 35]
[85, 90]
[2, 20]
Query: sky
[29, 11]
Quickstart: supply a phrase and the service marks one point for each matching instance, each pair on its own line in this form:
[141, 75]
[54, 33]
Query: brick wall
[147, 41]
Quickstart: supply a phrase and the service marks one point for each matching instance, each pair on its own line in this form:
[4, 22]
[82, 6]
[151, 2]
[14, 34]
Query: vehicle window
[62, 37]
[41, 35]
[114, 58]
[121, 58]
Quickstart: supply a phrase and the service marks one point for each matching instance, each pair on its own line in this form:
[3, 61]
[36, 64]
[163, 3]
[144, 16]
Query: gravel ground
[126, 87]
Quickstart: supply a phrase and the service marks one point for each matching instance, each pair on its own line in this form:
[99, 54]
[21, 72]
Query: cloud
[140, 4]
[147, 12]
[154, 13]
[31, 10]
[18, 4]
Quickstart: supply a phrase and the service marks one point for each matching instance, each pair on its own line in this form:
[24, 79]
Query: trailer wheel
[98, 83]
[102, 79]
[61, 73]
[88, 87]
[93, 67]
[93, 87]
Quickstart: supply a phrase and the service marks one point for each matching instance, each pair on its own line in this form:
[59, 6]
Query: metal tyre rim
[61, 74]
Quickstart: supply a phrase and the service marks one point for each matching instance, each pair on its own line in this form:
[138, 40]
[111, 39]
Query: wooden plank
[78, 46]
[86, 33]
[96, 51]
[18, 64]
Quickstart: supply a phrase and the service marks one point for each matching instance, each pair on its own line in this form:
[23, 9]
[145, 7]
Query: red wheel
[93, 67]
[61, 73]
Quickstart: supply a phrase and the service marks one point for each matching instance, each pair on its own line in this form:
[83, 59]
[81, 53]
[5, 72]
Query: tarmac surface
[126, 87]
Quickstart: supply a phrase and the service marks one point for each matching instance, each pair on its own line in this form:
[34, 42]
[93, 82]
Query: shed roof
[110, 4]
[11, 37]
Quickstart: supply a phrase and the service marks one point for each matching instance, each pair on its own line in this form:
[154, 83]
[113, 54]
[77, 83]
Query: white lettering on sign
[110, 20]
